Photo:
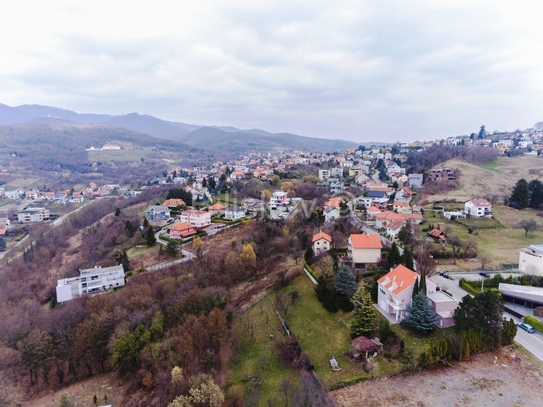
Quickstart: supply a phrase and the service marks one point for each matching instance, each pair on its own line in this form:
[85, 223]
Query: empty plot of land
[514, 378]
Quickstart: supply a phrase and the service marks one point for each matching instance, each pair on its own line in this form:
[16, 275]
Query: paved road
[532, 342]
[451, 286]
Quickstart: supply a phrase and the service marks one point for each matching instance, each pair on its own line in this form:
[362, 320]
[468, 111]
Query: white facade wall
[90, 281]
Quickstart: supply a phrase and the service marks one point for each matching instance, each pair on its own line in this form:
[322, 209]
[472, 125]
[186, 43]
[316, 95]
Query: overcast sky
[357, 70]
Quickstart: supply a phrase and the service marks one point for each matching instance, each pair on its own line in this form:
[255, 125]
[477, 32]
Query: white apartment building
[196, 218]
[324, 175]
[33, 215]
[90, 281]
[278, 198]
[478, 208]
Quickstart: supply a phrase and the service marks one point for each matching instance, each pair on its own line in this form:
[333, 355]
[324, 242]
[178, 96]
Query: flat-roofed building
[531, 260]
[90, 281]
[526, 296]
[33, 215]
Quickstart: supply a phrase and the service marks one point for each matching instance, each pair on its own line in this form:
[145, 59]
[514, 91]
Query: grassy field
[256, 355]
[500, 244]
[24, 183]
[496, 178]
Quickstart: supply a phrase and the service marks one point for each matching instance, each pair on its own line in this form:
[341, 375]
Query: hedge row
[466, 286]
[310, 271]
[536, 323]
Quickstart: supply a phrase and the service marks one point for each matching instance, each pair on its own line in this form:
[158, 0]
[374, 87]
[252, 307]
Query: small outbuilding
[363, 348]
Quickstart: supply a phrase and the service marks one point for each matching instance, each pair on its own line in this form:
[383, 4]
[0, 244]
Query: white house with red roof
[181, 230]
[383, 219]
[394, 227]
[321, 243]
[364, 249]
[237, 175]
[373, 211]
[395, 290]
[478, 208]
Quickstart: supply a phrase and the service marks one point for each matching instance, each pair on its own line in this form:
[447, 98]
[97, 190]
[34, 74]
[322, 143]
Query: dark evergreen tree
[346, 281]
[129, 228]
[117, 212]
[326, 294]
[484, 313]
[520, 197]
[422, 283]
[536, 193]
[150, 238]
[419, 315]
[393, 255]
[309, 254]
[404, 235]
[211, 183]
[481, 132]
[408, 259]
[122, 258]
[204, 182]
[416, 289]
[2, 244]
[366, 318]
[509, 332]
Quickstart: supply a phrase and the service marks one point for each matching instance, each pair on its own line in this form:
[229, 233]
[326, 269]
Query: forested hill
[216, 140]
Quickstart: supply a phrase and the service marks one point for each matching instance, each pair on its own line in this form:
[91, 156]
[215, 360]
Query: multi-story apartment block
[90, 281]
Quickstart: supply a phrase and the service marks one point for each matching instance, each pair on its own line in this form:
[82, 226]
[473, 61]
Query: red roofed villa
[364, 249]
[174, 203]
[478, 208]
[321, 243]
[181, 231]
[396, 289]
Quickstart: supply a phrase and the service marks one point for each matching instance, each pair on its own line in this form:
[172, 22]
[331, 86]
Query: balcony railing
[396, 305]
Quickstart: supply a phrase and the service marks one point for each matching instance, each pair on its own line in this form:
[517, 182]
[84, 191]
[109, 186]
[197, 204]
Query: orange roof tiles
[398, 279]
[217, 207]
[335, 201]
[390, 216]
[480, 202]
[363, 241]
[322, 235]
[173, 202]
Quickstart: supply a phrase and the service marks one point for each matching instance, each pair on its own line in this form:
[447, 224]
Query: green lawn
[491, 165]
[24, 183]
[500, 244]
[323, 334]
[256, 353]
[320, 333]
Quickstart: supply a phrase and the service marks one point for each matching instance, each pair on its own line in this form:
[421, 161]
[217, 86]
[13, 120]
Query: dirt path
[511, 381]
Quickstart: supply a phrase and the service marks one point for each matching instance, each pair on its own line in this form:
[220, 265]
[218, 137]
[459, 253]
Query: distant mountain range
[218, 140]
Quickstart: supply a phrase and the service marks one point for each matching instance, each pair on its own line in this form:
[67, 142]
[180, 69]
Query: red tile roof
[398, 279]
[480, 202]
[322, 235]
[363, 241]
